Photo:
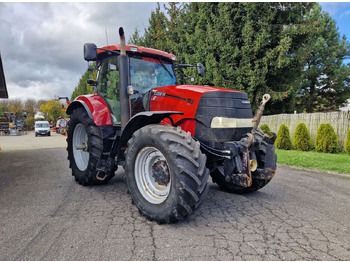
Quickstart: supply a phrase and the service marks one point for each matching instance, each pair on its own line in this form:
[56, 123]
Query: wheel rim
[152, 175]
[80, 152]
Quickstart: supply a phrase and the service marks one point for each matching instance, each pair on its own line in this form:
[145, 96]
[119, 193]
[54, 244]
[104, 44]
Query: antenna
[106, 36]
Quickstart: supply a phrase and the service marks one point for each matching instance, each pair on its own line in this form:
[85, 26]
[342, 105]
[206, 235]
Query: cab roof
[138, 49]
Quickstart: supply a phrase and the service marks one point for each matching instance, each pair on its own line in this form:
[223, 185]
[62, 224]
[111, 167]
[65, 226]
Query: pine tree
[324, 83]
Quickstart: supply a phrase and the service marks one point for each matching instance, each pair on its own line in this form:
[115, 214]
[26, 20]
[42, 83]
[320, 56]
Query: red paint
[181, 98]
[188, 125]
[140, 49]
[151, 60]
[98, 109]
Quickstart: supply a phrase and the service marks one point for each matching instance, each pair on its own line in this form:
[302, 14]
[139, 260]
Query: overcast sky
[41, 44]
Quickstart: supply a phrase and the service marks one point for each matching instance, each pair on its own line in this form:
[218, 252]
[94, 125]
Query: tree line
[26, 110]
[292, 51]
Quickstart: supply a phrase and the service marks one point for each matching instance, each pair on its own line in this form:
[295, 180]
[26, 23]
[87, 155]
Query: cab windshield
[147, 73]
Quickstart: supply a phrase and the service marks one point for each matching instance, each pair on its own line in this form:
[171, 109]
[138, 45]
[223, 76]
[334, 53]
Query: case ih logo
[189, 101]
[159, 94]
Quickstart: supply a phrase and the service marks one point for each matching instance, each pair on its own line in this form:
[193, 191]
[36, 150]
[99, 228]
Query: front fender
[142, 119]
[95, 107]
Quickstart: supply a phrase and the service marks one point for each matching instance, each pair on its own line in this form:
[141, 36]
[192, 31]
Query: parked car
[42, 128]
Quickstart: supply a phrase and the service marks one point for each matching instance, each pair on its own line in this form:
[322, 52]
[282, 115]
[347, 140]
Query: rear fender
[95, 107]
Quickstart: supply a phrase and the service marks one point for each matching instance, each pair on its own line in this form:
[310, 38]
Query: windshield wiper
[164, 67]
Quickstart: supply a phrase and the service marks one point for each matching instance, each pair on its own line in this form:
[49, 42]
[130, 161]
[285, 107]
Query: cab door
[107, 86]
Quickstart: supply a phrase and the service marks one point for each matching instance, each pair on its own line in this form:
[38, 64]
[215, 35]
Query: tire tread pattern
[190, 171]
[95, 145]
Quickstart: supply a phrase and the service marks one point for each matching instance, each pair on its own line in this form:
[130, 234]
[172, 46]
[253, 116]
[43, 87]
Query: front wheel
[85, 147]
[165, 173]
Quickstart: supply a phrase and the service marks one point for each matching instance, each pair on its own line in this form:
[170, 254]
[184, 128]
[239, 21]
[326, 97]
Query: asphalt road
[46, 215]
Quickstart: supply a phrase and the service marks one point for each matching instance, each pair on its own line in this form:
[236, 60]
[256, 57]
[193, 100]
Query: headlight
[225, 122]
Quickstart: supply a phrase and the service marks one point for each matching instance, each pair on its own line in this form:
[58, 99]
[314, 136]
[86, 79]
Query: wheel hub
[153, 175]
[160, 172]
[83, 146]
[80, 147]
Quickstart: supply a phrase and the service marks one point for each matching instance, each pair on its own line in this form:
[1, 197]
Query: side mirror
[90, 52]
[200, 69]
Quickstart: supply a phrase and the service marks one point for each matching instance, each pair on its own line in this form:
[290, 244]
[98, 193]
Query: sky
[41, 44]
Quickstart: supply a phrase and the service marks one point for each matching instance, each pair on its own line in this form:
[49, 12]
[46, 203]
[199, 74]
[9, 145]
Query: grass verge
[330, 162]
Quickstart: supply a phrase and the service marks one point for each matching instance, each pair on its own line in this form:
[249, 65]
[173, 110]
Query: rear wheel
[165, 173]
[85, 147]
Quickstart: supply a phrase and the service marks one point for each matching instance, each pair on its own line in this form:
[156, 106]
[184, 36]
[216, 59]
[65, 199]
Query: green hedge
[266, 129]
[347, 143]
[326, 139]
[301, 139]
[283, 140]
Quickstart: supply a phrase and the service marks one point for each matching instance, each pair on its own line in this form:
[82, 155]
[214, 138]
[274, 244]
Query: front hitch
[244, 158]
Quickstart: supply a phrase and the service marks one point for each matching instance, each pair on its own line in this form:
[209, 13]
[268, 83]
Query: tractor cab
[147, 69]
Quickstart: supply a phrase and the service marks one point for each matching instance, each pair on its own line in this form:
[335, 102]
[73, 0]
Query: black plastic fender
[140, 120]
[76, 104]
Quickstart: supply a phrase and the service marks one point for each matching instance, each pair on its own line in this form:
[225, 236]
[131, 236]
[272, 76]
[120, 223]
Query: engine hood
[207, 100]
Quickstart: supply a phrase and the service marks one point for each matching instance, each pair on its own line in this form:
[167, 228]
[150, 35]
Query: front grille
[225, 104]
[222, 104]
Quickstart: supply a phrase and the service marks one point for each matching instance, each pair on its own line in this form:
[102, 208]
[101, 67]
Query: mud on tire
[165, 173]
[83, 164]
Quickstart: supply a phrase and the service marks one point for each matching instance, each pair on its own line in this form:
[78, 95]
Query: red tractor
[168, 137]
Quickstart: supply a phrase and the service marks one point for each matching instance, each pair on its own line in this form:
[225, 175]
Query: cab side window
[108, 80]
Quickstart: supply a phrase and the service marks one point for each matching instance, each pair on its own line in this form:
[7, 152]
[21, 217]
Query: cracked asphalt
[46, 215]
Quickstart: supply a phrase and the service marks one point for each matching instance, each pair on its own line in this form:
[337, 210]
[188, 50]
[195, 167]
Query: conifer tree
[266, 129]
[283, 140]
[324, 83]
[83, 88]
[347, 142]
[301, 139]
[326, 139]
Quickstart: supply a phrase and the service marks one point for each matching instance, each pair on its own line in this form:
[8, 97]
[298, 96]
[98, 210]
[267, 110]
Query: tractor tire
[257, 184]
[165, 173]
[83, 132]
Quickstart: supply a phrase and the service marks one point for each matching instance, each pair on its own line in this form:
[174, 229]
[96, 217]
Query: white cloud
[42, 43]
[332, 8]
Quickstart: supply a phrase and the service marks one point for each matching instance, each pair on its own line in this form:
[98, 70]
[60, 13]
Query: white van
[42, 128]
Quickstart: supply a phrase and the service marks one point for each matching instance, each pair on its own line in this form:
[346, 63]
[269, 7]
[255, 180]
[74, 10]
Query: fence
[340, 121]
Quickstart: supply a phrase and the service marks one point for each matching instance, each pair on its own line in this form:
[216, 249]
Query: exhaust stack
[123, 81]
[122, 42]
